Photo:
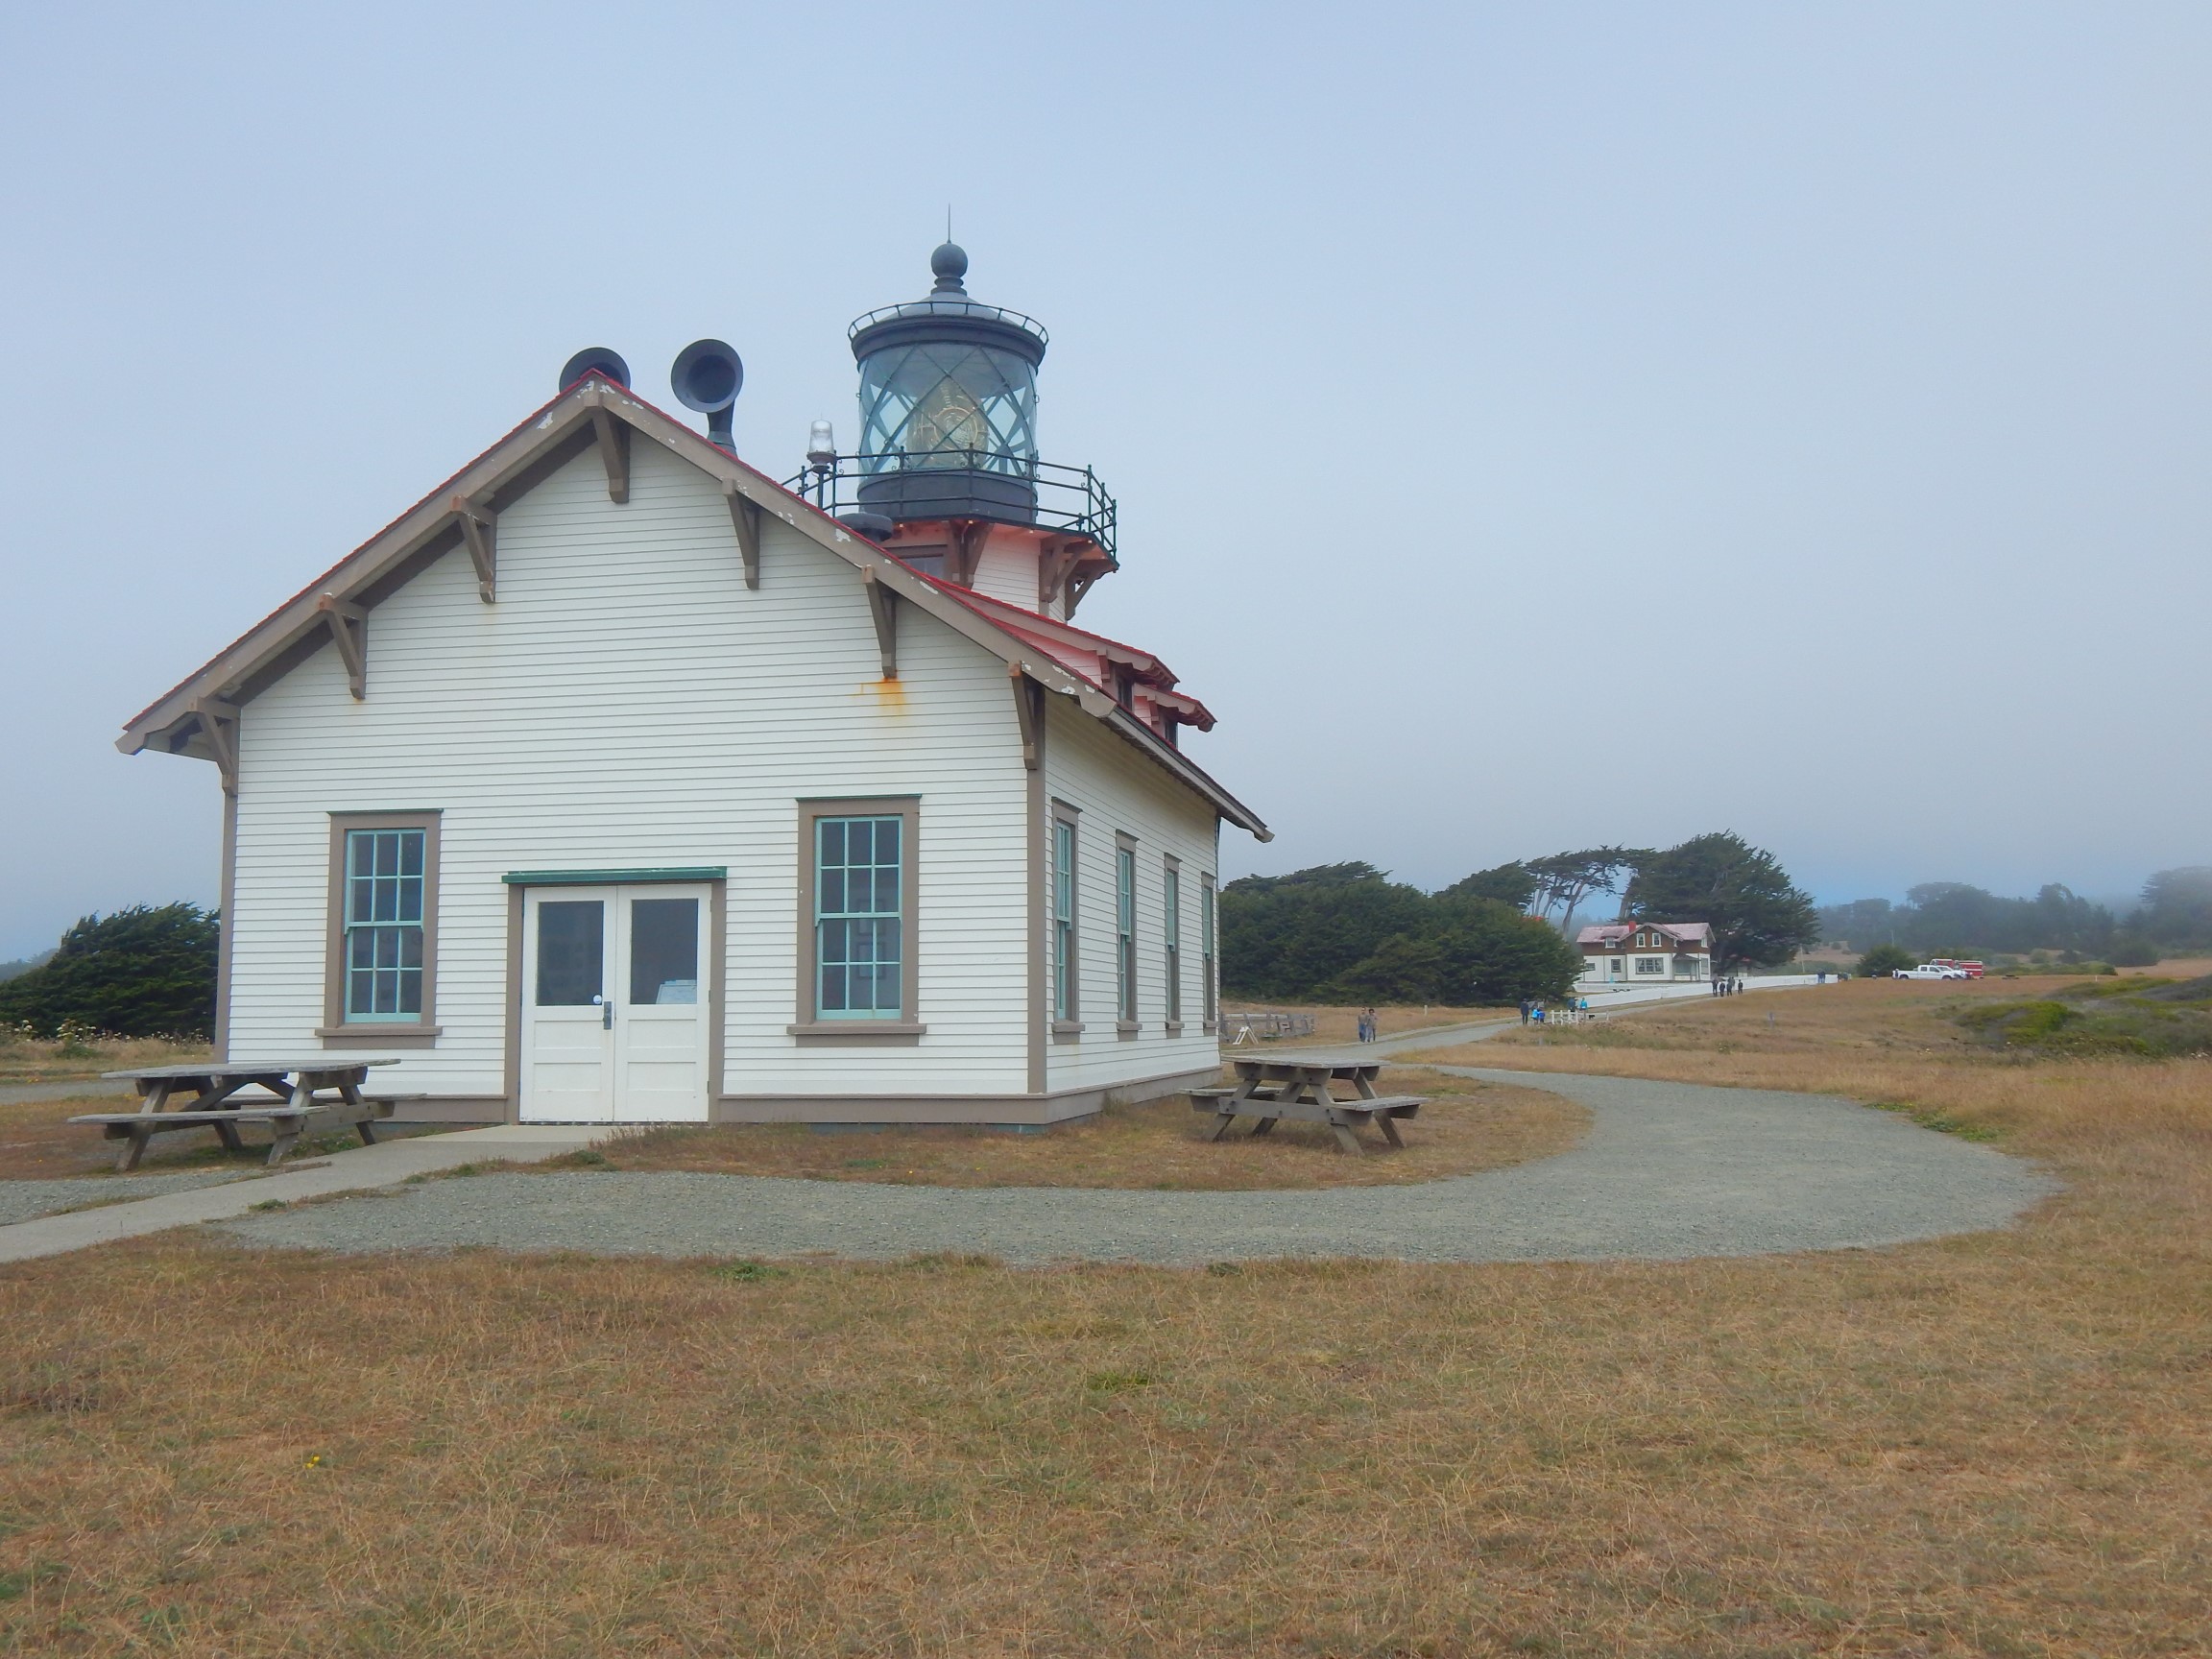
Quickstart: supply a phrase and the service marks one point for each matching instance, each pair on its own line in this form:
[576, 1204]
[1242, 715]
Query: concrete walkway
[1668, 1172]
[364, 1166]
[1669, 1169]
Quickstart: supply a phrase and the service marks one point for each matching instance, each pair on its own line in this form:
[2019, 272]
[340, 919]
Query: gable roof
[595, 411]
[1614, 932]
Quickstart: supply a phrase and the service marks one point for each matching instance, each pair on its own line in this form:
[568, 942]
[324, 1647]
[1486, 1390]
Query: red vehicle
[1972, 970]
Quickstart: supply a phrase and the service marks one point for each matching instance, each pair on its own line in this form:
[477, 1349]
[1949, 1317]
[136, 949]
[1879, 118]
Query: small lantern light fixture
[821, 447]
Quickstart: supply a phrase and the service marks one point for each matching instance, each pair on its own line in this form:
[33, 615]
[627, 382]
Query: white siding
[629, 703]
[1006, 571]
[1116, 788]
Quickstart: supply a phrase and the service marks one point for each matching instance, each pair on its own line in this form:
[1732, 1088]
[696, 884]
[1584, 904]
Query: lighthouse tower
[947, 475]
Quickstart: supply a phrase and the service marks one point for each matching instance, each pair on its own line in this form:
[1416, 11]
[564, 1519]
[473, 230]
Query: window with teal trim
[384, 924]
[1063, 920]
[858, 920]
[1125, 934]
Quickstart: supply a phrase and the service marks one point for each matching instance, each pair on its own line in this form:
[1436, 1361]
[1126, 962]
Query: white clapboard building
[617, 781]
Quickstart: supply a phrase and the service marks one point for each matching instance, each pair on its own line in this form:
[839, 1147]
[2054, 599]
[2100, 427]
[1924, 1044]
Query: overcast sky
[1533, 425]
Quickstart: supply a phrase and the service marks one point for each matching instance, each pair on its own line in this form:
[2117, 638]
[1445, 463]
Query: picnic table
[1269, 1090]
[297, 1097]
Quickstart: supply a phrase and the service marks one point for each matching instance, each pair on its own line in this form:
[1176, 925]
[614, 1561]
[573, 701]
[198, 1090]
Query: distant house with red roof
[1644, 953]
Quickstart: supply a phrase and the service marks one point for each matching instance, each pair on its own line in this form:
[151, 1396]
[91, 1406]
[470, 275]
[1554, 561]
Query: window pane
[663, 950]
[571, 948]
[384, 900]
[857, 895]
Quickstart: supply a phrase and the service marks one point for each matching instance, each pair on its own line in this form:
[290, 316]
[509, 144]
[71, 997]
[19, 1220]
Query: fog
[1533, 427]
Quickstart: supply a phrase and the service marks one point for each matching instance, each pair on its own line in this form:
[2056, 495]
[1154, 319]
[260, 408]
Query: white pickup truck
[1930, 970]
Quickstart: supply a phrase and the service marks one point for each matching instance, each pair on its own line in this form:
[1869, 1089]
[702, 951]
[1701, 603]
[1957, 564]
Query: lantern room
[947, 474]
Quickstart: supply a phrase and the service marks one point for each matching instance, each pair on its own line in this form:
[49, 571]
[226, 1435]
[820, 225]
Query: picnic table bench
[1269, 1090]
[299, 1097]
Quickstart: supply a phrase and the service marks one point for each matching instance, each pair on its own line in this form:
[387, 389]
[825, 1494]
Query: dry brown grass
[42, 1060]
[1995, 1445]
[2175, 968]
[1465, 1126]
[1335, 1024]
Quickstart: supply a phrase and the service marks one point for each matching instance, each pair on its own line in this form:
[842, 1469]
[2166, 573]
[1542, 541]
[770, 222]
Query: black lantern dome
[949, 404]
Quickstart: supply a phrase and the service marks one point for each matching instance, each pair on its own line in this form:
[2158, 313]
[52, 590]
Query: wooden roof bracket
[1077, 587]
[883, 605]
[480, 529]
[968, 538]
[214, 716]
[745, 520]
[1029, 710]
[1053, 567]
[614, 439]
[349, 631]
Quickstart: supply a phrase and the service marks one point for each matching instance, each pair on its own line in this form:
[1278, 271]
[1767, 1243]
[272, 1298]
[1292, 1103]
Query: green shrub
[1883, 960]
[2132, 950]
[146, 972]
[2112, 1022]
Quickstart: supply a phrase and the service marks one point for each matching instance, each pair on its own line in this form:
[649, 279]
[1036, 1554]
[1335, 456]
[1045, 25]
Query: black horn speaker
[594, 359]
[707, 377]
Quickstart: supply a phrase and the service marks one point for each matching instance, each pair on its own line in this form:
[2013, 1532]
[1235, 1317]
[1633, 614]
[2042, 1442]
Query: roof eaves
[1119, 719]
[514, 451]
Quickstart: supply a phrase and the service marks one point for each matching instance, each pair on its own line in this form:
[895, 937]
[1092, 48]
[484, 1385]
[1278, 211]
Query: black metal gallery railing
[964, 484]
[937, 306]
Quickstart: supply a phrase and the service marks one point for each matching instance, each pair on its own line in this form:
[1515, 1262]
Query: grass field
[1995, 1445]
[1333, 1023]
[1463, 1127]
[42, 1059]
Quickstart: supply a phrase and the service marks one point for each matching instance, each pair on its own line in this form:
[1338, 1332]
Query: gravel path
[1669, 1170]
[69, 1088]
[24, 1200]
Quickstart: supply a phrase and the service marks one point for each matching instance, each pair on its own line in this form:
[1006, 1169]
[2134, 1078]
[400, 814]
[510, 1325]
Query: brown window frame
[1209, 949]
[1128, 1006]
[1067, 1025]
[806, 1028]
[1171, 937]
[422, 1031]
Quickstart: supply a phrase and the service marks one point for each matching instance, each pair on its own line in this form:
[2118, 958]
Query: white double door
[616, 991]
